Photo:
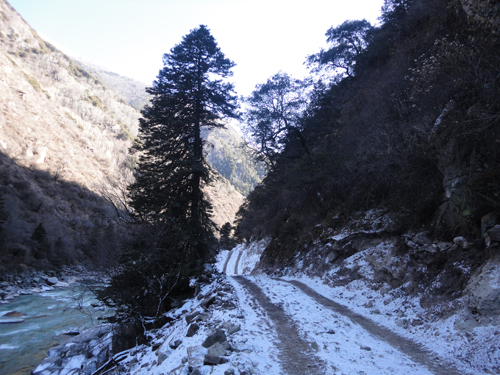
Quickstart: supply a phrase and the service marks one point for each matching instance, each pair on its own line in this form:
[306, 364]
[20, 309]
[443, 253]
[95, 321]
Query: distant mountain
[227, 154]
[224, 146]
[134, 92]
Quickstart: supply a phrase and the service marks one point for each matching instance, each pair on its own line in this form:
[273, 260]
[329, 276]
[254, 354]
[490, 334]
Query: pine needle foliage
[190, 93]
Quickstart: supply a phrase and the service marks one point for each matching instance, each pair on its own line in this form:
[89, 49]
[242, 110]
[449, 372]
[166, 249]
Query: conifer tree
[347, 42]
[188, 94]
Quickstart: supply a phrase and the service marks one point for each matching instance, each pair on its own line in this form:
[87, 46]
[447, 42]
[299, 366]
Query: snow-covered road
[336, 340]
[346, 337]
[240, 324]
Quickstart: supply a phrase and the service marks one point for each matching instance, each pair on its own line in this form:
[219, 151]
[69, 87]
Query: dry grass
[62, 133]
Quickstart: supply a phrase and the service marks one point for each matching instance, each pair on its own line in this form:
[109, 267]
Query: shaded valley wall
[64, 140]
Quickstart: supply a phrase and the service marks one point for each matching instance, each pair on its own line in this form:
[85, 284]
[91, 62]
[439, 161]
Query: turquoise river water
[47, 317]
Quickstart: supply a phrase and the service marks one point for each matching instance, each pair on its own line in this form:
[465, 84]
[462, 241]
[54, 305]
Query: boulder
[332, 256]
[465, 321]
[494, 233]
[460, 241]
[422, 238]
[207, 302]
[212, 360]
[217, 336]
[218, 349]
[483, 290]
[192, 329]
[52, 281]
[175, 344]
[190, 317]
[162, 356]
[196, 355]
[48, 364]
[231, 328]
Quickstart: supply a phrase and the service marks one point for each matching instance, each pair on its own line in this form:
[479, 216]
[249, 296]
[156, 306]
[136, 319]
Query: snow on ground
[344, 345]
[475, 351]
[252, 350]
[242, 259]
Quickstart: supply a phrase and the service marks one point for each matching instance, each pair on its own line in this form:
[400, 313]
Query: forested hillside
[227, 153]
[404, 120]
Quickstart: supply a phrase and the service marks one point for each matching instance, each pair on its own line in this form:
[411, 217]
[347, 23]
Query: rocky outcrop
[89, 351]
[484, 12]
[482, 293]
[441, 274]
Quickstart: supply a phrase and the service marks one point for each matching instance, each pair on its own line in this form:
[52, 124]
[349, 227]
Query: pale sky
[129, 37]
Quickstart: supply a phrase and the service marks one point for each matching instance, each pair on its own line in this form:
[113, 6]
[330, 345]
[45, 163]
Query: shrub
[155, 270]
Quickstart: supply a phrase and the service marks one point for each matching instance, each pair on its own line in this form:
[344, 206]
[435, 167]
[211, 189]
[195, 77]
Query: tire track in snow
[226, 262]
[295, 353]
[413, 350]
[237, 262]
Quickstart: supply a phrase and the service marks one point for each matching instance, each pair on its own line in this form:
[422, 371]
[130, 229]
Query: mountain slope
[224, 147]
[134, 92]
[64, 160]
[227, 154]
[64, 138]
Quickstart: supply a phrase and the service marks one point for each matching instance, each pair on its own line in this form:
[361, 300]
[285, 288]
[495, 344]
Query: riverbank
[40, 321]
[31, 281]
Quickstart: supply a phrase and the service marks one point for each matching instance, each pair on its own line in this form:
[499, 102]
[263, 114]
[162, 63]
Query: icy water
[47, 316]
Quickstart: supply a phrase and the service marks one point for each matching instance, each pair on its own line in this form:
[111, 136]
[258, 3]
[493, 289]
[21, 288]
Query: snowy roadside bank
[214, 333]
[360, 281]
[473, 351]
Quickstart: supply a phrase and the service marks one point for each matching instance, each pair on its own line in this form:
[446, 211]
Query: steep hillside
[412, 131]
[64, 156]
[404, 150]
[134, 92]
[227, 154]
[64, 138]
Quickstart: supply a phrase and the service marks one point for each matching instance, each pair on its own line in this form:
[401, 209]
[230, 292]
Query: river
[47, 317]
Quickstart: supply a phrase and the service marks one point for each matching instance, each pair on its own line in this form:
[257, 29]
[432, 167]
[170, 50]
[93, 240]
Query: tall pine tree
[188, 94]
